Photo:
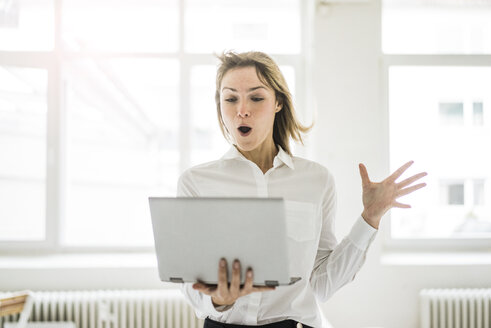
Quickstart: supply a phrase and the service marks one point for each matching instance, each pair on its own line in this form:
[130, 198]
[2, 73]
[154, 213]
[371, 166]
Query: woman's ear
[279, 106]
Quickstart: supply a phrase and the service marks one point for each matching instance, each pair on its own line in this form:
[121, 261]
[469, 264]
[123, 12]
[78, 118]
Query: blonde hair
[286, 124]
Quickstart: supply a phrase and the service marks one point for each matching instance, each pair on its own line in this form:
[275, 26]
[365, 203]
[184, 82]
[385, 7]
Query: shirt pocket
[300, 218]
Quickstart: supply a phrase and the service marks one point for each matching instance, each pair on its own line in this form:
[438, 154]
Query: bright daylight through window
[440, 114]
[129, 105]
[23, 115]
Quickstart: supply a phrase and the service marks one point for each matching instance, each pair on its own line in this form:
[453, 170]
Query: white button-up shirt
[310, 198]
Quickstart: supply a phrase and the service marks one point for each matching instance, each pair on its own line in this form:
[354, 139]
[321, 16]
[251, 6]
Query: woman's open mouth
[245, 131]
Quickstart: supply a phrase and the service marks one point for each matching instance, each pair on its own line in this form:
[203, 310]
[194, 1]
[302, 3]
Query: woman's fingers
[233, 291]
[399, 171]
[364, 174]
[248, 286]
[263, 289]
[203, 288]
[410, 189]
[235, 283]
[198, 286]
[410, 180]
[222, 277]
[400, 205]
[247, 289]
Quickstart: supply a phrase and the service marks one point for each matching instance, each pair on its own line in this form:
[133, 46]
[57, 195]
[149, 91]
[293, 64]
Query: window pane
[479, 193]
[26, 25]
[455, 194]
[443, 27]
[452, 113]
[453, 156]
[289, 74]
[122, 148]
[23, 113]
[272, 26]
[207, 141]
[133, 25]
[478, 114]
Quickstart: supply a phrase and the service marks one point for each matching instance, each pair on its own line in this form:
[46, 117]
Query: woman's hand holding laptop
[225, 294]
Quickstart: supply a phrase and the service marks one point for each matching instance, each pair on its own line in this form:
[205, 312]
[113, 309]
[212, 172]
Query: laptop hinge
[294, 280]
[172, 279]
[271, 283]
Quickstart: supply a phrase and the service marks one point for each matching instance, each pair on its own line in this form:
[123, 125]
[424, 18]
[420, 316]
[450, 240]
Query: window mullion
[55, 141]
[384, 103]
[54, 174]
[184, 116]
[184, 99]
[304, 84]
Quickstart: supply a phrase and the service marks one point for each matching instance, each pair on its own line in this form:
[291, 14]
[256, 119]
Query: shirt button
[299, 325]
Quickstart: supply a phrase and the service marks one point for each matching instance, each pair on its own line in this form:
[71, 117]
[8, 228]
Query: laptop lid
[193, 233]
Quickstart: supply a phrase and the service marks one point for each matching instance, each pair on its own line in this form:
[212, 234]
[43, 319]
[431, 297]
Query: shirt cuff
[362, 234]
[218, 311]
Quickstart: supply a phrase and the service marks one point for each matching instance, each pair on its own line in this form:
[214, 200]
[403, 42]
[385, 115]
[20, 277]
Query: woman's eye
[257, 99]
[230, 99]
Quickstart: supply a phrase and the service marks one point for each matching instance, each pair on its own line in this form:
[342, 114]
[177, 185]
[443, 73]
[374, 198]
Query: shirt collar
[282, 156]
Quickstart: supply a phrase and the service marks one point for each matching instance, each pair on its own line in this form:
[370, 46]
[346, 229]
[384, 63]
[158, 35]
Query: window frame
[425, 244]
[56, 174]
[40, 60]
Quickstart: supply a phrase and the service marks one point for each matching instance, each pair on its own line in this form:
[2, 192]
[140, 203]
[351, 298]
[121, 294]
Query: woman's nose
[243, 111]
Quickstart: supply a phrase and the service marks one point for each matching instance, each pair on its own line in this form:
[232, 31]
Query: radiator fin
[455, 308]
[165, 308]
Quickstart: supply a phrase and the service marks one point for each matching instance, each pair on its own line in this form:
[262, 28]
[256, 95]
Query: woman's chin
[250, 144]
[244, 148]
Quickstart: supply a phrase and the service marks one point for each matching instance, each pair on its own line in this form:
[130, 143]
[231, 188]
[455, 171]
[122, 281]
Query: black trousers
[281, 324]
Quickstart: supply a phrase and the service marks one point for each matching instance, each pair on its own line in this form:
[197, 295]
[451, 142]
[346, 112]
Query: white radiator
[164, 308]
[455, 308]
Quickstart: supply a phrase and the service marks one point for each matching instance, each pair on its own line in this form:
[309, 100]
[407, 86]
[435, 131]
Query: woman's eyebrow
[250, 90]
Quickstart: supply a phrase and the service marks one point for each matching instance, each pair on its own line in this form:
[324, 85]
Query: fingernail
[236, 264]
[222, 263]
[249, 273]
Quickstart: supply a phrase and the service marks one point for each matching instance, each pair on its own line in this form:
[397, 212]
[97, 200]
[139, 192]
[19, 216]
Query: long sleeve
[201, 303]
[337, 264]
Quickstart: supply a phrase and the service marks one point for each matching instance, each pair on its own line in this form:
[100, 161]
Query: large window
[104, 103]
[23, 116]
[437, 75]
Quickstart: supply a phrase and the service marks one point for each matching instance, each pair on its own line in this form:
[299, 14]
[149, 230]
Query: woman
[256, 115]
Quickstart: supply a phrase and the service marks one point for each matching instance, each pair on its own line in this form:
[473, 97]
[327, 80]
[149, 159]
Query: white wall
[351, 128]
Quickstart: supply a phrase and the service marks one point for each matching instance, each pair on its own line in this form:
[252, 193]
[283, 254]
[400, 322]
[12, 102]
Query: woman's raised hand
[379, 197]
[225, 294]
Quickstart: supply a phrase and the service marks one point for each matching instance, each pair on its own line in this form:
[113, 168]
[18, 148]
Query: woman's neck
[263, 156]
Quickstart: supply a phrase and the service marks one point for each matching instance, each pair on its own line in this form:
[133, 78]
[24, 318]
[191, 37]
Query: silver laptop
[193, 233]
